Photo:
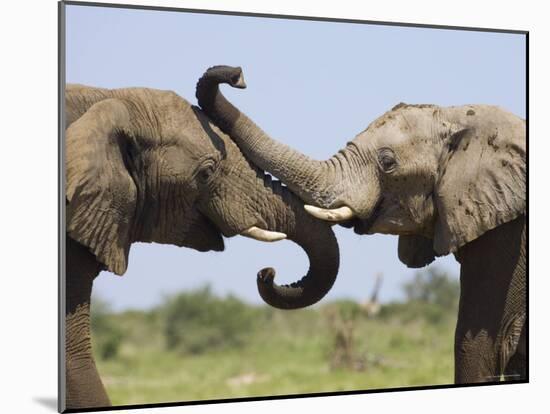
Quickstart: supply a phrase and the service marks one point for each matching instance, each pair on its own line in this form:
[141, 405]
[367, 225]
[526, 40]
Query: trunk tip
[266, 275]
[232, 75]
[237, 79]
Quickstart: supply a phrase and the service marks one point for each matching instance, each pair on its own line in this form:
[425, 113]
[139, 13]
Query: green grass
[285, 353]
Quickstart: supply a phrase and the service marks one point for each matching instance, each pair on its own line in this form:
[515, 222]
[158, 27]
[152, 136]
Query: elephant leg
[476, 356]
[516, 369]
[490, 333]
[516, 365]
[83, 385]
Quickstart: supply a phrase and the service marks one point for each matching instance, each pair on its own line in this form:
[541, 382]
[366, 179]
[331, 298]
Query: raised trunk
[83, 385]
[308, 178]
[317, 240]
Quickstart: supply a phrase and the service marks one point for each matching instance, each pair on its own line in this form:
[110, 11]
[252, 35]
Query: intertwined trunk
[83, 385]
[315, 237]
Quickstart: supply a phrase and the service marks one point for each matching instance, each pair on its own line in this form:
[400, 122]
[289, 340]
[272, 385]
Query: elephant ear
[415, 251]
[101, 195]
[482, 183]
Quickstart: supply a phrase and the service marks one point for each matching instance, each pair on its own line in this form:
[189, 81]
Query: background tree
[433, 286]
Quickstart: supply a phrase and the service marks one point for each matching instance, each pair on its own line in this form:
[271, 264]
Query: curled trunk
[287, 215]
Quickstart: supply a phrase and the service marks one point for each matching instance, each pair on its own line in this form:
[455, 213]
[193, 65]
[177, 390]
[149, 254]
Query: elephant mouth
[363, 226]
[218, 244]
[205, 235]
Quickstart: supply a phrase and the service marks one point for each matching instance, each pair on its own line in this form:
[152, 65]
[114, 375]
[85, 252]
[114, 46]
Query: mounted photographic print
[257, 206]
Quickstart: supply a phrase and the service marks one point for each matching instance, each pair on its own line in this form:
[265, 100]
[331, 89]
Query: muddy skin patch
[491, 140]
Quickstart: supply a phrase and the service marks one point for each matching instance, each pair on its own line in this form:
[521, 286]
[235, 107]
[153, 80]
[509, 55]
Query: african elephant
[446, 180]
[145, 165]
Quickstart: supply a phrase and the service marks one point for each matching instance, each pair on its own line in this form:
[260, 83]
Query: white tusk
[263, 235]
[336, 214]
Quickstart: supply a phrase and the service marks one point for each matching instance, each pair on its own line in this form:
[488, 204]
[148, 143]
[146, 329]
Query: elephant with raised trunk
[145, 165]
[446, 180]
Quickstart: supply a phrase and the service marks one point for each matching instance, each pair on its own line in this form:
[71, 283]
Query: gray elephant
[145, 165]
[446, 180]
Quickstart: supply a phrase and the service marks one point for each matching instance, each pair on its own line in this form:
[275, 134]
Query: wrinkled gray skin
[144, 165]
[446, 180]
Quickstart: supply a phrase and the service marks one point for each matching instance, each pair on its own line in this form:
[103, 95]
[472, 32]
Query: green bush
[106, 333]
[433, 286]
[199, 321]
[431, 296]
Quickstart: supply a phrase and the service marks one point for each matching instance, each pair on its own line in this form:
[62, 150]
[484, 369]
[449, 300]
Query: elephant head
[437, 177]
[144, 165]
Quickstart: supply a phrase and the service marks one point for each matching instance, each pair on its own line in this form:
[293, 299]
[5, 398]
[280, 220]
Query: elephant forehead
[389, 135]
[399, 127]
[194, 136]
[169, 120]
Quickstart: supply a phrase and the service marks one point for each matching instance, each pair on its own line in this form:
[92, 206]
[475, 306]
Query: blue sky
[312, 85]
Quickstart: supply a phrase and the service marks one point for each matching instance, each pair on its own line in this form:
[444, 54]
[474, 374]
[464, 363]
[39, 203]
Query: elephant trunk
[303, 175]
[318, 241]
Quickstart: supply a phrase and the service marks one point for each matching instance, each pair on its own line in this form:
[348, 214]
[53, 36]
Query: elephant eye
[207, 170]
[386, 158]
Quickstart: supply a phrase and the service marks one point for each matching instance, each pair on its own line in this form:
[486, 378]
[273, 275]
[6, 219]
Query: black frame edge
[291, 396]
[291, 17]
